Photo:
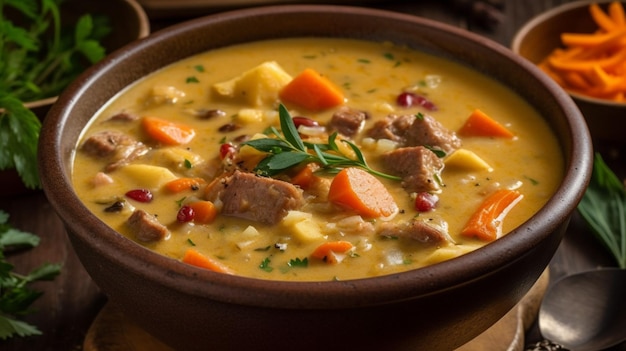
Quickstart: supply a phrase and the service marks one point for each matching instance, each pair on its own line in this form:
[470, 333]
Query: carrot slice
[486, 222]
[329, 251]
[312, 91]
[360, 191]
[195, 258]
[167, 132]
[305, 177]
[184, 184]
[205, 211]
[480, 124]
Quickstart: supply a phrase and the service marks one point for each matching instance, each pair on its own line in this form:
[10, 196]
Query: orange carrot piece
[205, 211]
[486, 222]
[360, 191]
[184, 184]
[617, 13]
[480, 124]
[312, 91]
[305, 177]
[601, 18]
[195, 258]
[167, 132]
[329, 250]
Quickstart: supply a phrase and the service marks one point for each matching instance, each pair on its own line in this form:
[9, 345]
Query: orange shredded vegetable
[593, 64]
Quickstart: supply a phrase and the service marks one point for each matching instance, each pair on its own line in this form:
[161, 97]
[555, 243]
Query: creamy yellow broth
[371, 75]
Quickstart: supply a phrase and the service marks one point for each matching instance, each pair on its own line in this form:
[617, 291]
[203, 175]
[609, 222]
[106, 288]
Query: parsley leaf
[38, 60]
[15, 295]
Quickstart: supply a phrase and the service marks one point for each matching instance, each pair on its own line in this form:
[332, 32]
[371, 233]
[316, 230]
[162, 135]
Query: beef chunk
[123, 117]
[249, 196]
[347, 121]
[118, 148]
[146, 227]
[415, 230]
[392, 127]
[428, 131]
[418, 167]
[409, 130]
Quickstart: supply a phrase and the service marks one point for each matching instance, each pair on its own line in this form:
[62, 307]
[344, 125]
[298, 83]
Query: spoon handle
[545, 345]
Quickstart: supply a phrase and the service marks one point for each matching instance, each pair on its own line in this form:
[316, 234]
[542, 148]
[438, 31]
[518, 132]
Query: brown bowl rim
[312, 295]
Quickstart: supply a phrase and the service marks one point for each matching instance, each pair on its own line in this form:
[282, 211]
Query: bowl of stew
[312, 176]
[541, 39]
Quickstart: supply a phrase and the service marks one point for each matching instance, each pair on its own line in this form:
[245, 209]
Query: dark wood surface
[70, 302]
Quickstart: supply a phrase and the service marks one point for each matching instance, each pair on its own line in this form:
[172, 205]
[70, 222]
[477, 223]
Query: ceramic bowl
[539, 36]
[439, 307]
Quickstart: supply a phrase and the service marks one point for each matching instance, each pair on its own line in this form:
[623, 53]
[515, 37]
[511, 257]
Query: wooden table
[70, 302]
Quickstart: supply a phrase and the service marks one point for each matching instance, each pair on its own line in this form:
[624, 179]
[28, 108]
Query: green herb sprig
[603, 207]
[15, 295]
[37, 60]
[288, 150]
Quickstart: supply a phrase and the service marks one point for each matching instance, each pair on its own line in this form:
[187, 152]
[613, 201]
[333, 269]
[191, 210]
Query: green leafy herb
[603, 207]
[288, 150]
[192, 79]
[265, 265]
[199, 68]
[298, 262]
[15, 295]
[37, 61]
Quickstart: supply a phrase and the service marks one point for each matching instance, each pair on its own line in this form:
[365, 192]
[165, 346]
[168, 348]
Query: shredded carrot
[616, 12]
[486, 222]
[592, 64]
[167, 132]
[329, 251]
[480, 124]
[362, 192]
[312, 91]
[195, 258]
[602, 19]
[205, 211]
[184, 184]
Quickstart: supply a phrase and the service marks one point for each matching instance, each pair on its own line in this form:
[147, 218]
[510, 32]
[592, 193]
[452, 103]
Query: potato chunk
[466, 160]
[257, 87]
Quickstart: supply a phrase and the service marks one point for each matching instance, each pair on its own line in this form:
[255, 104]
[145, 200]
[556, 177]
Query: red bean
[185, 214]
[425, 201]
[226, 150]
[408, 99]
[304, 121]
[141, 195]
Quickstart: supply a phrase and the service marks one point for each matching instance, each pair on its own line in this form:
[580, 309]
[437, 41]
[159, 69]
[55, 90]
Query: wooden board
[111, 331]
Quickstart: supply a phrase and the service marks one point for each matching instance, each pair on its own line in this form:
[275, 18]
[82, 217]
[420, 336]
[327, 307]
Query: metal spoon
[586, 311]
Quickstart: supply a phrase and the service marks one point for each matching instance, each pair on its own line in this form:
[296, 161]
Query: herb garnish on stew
[288, 150]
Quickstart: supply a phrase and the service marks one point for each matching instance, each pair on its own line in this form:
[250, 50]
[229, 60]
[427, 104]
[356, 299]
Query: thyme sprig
[603, 207]
[288, 150]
